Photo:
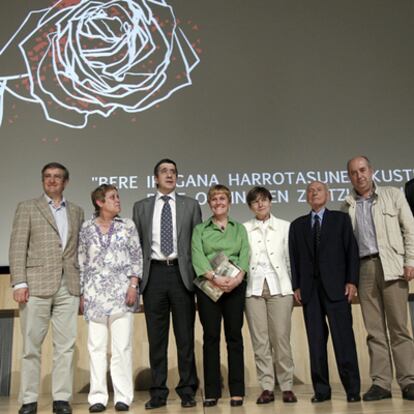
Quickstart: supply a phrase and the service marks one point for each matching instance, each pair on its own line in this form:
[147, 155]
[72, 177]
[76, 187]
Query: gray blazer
[188, 215]
[36, 255]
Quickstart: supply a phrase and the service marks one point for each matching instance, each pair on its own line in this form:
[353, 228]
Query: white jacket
[277, 246]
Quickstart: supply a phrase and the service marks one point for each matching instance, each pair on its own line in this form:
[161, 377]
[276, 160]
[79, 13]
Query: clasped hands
[227, 283]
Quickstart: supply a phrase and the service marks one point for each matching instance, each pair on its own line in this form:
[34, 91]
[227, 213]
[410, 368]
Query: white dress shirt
[156, 227]
[61, 219]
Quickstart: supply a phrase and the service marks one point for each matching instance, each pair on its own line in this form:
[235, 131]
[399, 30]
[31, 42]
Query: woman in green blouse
[220, 233]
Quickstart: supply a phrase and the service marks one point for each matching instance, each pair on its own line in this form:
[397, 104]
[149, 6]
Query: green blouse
[209, 239]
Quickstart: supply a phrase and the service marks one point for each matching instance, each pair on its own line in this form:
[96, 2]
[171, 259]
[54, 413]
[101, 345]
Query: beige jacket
[394, 227]
[277, 246]
[36, 255]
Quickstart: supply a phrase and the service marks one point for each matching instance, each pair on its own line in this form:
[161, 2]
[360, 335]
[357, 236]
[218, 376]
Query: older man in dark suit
[45, 276]
[165, 224]
[325, 271]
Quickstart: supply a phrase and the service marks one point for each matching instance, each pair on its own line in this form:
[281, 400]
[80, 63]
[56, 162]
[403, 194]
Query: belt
[168, 262]
[370, 256]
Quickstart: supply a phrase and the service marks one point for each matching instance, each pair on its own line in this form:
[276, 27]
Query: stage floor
[338, 404]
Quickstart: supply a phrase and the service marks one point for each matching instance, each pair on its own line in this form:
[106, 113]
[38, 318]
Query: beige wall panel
[141, 351]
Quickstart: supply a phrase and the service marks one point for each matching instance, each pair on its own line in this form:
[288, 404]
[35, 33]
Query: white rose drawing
[92, 57]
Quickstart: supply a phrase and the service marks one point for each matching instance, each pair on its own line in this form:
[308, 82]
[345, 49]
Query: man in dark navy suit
[325, 272]
[409, 193]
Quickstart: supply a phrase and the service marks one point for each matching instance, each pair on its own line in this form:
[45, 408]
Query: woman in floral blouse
[110, 262]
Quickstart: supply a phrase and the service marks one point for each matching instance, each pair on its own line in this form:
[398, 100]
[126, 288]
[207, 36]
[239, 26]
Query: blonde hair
[218, 188]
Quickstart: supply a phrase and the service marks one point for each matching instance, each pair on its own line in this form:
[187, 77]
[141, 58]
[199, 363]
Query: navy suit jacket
[338, 256]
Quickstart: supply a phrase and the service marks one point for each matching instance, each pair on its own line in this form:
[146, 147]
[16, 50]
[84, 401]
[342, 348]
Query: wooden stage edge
[337, 405]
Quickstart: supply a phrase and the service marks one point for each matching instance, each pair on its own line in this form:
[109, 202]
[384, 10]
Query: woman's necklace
[105, 243]
[221, 224]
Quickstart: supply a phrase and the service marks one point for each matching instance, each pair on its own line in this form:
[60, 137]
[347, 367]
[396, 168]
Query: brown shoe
[265, 397]
[289, 397]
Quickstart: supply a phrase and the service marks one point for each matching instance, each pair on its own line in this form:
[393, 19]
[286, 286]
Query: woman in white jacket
[269, 297]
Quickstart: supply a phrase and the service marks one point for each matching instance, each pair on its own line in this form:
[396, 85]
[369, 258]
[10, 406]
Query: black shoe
[289, 397]
[97, 408]
[210, 402]
[236, 403]
[266, 397]
[353, 398]
[62, 407]
[188, 401]
[408, 392]
[318, 398]
[155, 402]
[120, 406]
[30, 408]
[376, 393]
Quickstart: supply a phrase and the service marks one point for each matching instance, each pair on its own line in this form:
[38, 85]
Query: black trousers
[165, 293]
[229, 308]
[339, 316]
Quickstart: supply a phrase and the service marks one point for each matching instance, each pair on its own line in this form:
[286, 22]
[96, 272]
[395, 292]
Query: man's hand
[298, 296]
[350, 291]
[408, 273]
[21, 295]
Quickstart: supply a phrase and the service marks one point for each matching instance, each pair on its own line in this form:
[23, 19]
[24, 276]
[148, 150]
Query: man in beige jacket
[384, 228]
[45, 277]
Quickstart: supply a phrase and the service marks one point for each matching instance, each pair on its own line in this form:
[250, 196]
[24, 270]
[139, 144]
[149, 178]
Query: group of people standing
[60, 263]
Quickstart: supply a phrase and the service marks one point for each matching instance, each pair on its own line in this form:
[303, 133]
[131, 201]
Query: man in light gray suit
[45, 277]
[165, 224]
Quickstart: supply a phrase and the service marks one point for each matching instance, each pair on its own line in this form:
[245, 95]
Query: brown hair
[58, 166]
[99, 195]
[258, 193]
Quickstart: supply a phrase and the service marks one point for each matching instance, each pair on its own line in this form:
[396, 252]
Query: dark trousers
[339, 316]
[229, 308]
[165, 293]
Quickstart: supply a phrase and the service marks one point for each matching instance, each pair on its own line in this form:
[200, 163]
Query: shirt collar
[320, 213]
[50, 201]
[116, 218]
[171, 195]
[210, 222]
[259, 223]
[373, 195]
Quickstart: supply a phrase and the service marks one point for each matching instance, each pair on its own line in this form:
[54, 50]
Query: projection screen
[237, 92]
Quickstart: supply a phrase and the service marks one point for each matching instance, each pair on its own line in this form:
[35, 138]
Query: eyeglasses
[57, 177]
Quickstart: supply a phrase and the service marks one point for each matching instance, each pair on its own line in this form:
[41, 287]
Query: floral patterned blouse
[106, 262]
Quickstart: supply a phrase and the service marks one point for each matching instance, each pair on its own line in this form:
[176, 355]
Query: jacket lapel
[44, 209]
[324, 228]
[149, 214]
[179, 213]
[307, 232]
[70, 214]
